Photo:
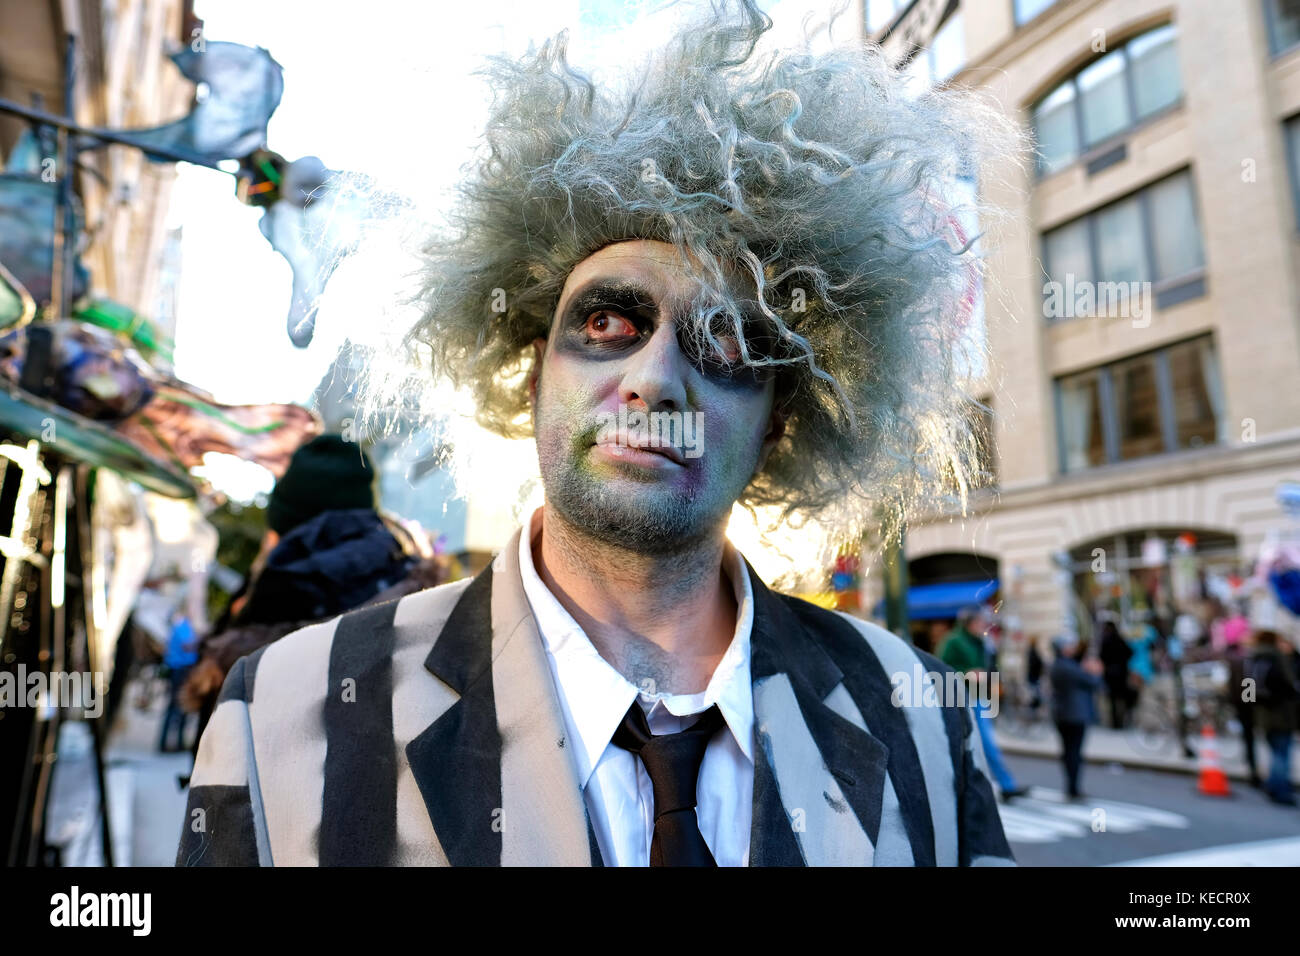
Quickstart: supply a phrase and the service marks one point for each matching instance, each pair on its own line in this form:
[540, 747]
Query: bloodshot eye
[607, 326]
[728, 349]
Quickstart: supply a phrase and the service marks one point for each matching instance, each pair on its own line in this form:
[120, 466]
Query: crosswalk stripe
[1045, 816]
[1283, 852]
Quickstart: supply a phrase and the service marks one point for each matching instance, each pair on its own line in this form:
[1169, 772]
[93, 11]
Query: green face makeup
[643, 441]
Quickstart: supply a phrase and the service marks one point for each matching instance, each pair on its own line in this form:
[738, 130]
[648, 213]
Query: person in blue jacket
[179, 657]
[1075, 682]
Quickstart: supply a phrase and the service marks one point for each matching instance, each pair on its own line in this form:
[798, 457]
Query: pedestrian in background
[1230, 631]
[1141, 665]
[1035, 666]
[1237, 656]
[1185, 634]
[966, 651]
[1276, 695]
[1075, 681]
[179, 658]
[327, 550]
[1115, 656]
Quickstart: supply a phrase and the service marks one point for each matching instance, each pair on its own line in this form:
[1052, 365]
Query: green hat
[326, 474]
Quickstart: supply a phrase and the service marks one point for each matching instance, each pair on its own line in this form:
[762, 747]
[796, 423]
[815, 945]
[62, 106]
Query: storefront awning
[928, 602]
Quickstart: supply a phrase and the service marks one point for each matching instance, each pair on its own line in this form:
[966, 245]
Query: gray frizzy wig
[814, 177]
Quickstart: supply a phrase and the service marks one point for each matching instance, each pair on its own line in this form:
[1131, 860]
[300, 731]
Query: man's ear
[539, 349]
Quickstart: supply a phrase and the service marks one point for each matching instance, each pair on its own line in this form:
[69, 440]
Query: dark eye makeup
[611, 317]
[584, 326]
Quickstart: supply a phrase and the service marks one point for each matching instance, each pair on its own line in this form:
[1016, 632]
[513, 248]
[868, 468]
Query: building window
[1167, 400]
[1080, 421]
[1108, 96]
[1291, 129]
[1026, 10]
[1152, 236]
[942, 59]
[881, 13]
[1137, 404]
[1153, 66]
[948, 49]
[1283, 18]
[1103, 98]
[1197, 393]
[1175, 231]
[1056, 129]
[1121, 243]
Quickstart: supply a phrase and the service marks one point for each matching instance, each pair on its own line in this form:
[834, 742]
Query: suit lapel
[820, 776]
[495, 770]
[546, 821]
[456, 761]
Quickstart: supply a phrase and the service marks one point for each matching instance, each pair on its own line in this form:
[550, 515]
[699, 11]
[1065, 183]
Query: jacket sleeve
[1076, 675]
[224, 823]
[980, 838]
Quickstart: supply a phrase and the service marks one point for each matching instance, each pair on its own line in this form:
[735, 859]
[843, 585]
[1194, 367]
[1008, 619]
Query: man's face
[642, 443]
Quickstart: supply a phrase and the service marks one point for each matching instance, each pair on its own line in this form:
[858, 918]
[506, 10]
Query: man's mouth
[619, 449]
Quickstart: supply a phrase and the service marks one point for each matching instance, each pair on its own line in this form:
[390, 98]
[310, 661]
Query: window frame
[954, 17]
[1015, 13]
[1164, 289]
[900, 7]
[1109, 410]
[925, 54]
[1271, 28]
[1292, 150]
[1088, 151]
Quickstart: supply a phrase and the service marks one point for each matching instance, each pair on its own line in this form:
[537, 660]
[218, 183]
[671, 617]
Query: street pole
[68, 123]
[65, 226]
[895, 575]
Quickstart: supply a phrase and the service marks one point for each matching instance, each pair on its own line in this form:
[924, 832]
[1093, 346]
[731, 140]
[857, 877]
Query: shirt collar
[595, 713]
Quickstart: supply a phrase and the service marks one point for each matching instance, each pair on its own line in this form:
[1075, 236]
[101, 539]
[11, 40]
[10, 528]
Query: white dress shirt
[594, 698]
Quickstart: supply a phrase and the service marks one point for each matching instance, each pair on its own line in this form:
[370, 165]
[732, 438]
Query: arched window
[1113, 93]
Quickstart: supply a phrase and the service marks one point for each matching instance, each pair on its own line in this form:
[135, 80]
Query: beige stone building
[1142, 311]
[123, 80]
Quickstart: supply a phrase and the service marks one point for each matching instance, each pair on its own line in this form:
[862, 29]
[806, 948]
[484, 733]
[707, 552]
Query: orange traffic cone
[1213, 782]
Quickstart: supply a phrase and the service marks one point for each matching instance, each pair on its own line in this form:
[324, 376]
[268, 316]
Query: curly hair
[815, 176]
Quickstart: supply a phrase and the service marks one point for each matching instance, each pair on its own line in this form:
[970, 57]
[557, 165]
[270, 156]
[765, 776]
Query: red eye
[728, 349]
[607, 326]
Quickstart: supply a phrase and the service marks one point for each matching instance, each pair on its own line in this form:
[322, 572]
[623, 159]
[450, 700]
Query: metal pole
[83, 515]
[106, 136]
[67, 247]
[895, 575]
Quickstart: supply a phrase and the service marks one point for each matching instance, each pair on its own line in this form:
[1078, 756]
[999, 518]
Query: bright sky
[384, 89]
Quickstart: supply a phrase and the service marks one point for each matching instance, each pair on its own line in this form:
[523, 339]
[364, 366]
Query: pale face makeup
[616, 349]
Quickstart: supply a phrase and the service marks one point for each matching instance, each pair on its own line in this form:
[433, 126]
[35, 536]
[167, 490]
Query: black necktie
[673, 763]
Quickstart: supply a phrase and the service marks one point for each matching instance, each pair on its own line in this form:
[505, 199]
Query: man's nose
[656, 373]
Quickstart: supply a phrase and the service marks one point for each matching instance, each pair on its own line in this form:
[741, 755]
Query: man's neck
[662, 621]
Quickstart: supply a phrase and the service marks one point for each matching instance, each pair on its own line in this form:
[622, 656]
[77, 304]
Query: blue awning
[929, 602]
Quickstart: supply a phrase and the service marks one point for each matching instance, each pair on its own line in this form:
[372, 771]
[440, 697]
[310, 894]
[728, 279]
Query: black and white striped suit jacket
[427, 731]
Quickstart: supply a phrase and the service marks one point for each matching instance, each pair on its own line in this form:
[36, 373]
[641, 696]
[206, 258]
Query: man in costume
[737, 279]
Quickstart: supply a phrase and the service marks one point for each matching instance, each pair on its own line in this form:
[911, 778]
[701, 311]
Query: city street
[696, 439]
[1147, 814]
[147, 804]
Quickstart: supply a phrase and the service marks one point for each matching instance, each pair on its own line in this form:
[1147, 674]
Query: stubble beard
[622, 510]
